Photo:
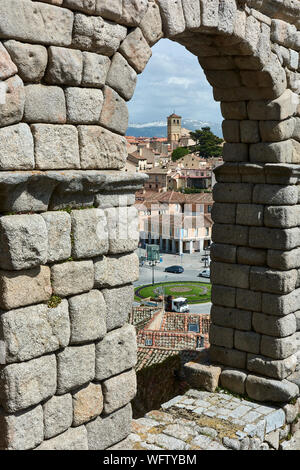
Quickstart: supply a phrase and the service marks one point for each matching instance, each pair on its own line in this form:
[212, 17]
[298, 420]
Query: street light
[152, 257]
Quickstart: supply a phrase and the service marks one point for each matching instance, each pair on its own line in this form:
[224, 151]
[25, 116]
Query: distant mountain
[159, 128]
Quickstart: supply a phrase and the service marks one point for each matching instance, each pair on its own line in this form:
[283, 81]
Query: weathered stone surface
[277, 239]
[75, 367]
[89, 224]
[92, 33]
[12, 110]
[172, 17]
[273, 325]
[234, 110]
[229, 357]
[95, 69]
[122, 225]
[7, 66]
[64, 66]
[277, 369]
[251, 256]
[250, 132]
[58, 224]
[56, 147]
[231, 317]
[248, 299]
[45, 104]
[136, 50]
[87, 404]
[33, 331]
[116, 352]
[23, 241]
[233, 380]
[36, 22]
[233, 193]
[16, 147]
[114, 115]
[22, 430]
[223, 213]
[278, 348]
[118, 391]
[222, 295]
[127, 198]
[87, 317]
[84, 105]
[127, 12]
[249, 214]
[121, 77]
[276, 110]
[30, 59]
[104, 432]
[72, 277]
[247, 341]
[58, 415]
[280, 304]
[262, 389]
[87, 6]
[235, 152]
[101, 149]
[221, 336]
[273, 194]
[276, 282]
[72, 439]
[116, 270]
[151, 24]
[227, 274]
[119, 303]
[282, 216]
[25, 287]
[222, 252]
[203, 376]
[28, 383]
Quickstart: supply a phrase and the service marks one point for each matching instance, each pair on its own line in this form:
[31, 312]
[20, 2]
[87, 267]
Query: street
[192, 265]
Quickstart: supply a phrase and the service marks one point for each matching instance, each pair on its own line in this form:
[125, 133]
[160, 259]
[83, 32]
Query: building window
[207, 231]
[148, 342]
[194, 327]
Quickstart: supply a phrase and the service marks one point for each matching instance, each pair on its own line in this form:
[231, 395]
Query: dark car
[174, 269]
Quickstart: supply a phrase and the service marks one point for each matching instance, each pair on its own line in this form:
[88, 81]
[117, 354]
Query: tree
[207, 143]
[179, 153]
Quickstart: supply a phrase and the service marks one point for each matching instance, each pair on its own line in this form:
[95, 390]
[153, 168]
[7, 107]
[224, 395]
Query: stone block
[117, 270]
[203, 376]
[28, 383]
[75, 367]
[220, 336]
[282, 216]
[114, 115]
[72, 439]
[223, 253]
[89, 224]
[107, 200]
[87, 317]
[223, 213]
[277, 152]
[136, 50]
[92, 33]
[123, 232]
[7, 66]
[31, 60]
[234, 110]
[247, 341]
[86, 6]
[273, 238]
[231, 130]
[45, 104]
[23, 241]
[118, 391]
[58, 224]
[262, 389]
[278, 348]
[172, 17]
[37, 22]
[275, 282]
[231, 234]
[56, 147]
[233, 380]
[249, 132]
[233, 193]
[87, 404]
[58, 415]
[33, 331]
[274, 110]
[231, 317]
[127, 12]
[151, 24]
[222, 295]
[119, 304]
[64, 66]
[104, 432]
[101, 149]
[84, 105]
[248, 300]
[21, 288]
[235, 152]
[274, 325]
[251, 256]
[12, 110]
[228, 357]
[273, 194]
[276, 369]
[21, 430]
[95, 69]
[72, 277]
[121, 77]
[233, 275]
[276, 131]
[116, 352]
[249, 214]
[281, 304]
[16, 148]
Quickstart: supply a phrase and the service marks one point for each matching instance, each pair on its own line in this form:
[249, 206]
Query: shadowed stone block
[233, 380]
[262, 389]
[277, 369]
[72, 439]
[278, 348]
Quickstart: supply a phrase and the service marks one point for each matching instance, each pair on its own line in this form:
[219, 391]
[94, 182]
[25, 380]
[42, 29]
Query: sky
[173, 81]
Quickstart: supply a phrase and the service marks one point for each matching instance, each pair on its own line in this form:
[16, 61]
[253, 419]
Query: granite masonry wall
[67, 228]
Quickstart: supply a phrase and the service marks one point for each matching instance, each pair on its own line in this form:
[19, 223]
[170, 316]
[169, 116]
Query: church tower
[174, 129]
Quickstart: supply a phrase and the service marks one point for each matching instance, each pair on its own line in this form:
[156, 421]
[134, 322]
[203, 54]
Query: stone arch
[68, 67]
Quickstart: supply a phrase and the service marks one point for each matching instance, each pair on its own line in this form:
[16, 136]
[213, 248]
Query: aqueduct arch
[67, 69]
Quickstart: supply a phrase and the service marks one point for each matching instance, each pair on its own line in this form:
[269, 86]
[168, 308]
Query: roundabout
[195, 292]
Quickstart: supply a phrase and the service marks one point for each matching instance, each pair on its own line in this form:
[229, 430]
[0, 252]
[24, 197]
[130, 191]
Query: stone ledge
[270, 173]
[27, 191]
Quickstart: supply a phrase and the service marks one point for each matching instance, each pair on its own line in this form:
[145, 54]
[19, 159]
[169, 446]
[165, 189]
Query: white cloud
[180, 81]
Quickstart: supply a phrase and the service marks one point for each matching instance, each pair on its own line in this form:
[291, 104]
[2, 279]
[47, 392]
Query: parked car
[174, 269]
[204, 273]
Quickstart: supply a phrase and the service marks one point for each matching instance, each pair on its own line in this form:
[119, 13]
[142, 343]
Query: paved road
[192, 265]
